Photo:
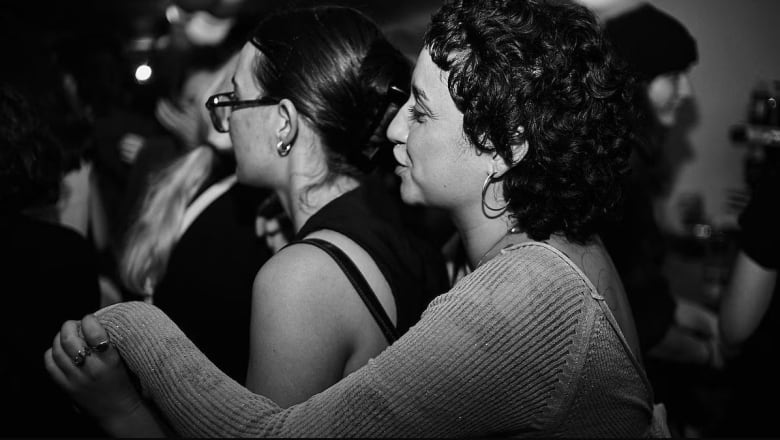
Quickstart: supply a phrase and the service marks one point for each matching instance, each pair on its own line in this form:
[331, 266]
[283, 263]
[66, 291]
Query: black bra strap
[361, 285]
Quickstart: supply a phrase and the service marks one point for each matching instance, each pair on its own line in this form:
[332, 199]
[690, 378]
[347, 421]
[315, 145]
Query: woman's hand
[84, 363]
[129, 146]
[272, 231]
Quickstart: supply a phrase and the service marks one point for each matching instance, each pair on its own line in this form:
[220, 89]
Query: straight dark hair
[337, 68]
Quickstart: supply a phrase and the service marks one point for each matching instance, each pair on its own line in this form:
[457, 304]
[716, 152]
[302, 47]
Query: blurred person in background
[44, 266]
[144, 125]
[191, 246]
[750, 313]
[185, 122]
[676, 334]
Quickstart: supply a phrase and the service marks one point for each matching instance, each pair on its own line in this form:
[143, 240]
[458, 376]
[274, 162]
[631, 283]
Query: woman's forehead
[429, 81]
[244, 72]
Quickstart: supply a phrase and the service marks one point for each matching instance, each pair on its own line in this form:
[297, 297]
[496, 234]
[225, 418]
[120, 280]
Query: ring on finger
[101, 346]
[81, 356]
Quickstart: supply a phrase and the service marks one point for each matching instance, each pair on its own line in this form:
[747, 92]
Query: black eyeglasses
[221, 104]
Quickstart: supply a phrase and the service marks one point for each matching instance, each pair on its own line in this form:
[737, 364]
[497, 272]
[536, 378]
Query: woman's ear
[288, 125]
[519, 150]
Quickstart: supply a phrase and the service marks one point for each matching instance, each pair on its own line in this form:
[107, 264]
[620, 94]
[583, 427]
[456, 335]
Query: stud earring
[283, 149]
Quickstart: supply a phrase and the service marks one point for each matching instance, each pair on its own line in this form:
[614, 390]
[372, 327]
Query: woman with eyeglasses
[517, 126]
[312, 94]
[191, 248]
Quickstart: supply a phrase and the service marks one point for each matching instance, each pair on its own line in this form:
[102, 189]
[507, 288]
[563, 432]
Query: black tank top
[371, 218]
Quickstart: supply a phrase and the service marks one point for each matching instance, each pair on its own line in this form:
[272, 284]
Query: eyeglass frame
[235, 104]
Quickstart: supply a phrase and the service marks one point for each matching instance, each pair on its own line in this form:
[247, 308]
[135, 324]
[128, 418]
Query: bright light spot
[173, 14]
[143, 73]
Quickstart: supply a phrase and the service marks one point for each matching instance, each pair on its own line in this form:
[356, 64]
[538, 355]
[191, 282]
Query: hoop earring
[496, 212]
[283, 149]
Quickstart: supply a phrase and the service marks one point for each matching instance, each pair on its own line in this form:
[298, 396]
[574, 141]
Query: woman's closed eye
[416, 114]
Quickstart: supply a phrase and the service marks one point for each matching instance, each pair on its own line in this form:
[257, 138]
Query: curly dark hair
[543, 66]
[31, 159]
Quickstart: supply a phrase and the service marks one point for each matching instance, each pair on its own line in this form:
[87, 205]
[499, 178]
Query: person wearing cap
[660, 52]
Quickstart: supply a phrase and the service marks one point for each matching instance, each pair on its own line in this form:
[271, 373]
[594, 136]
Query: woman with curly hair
[517, 127]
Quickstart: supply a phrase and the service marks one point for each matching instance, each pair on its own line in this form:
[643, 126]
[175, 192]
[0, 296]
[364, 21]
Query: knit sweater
[522, 346]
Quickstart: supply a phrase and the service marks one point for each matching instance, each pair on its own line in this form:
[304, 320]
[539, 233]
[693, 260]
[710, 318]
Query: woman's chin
[409, 194]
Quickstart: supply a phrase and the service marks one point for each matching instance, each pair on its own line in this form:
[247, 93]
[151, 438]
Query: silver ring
[81, 357]
[101, 346]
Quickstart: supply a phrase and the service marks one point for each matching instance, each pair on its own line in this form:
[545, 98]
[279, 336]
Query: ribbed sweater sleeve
[499, 353]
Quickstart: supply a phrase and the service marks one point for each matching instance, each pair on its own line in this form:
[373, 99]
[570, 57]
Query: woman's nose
[684, 88]
[398, 129]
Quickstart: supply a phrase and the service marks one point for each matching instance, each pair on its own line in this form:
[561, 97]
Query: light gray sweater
[522, 346]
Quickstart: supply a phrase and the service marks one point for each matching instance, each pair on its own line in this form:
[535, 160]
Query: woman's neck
[484, 237]
[303, 192]
[305, 197]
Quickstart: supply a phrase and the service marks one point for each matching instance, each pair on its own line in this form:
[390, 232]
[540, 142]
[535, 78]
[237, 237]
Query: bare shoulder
[298, 275]
[365, 264]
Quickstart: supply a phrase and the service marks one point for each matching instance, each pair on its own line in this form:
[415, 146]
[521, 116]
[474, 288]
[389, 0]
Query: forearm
[198, 400]
[175, 374]
[448, 375]
[398, 394]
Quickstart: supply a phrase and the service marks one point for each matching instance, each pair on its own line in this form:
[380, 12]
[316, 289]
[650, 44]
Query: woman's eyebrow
[421, 98]
[419, 94]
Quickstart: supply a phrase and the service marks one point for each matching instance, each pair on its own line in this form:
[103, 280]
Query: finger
[56, 374]
[72, 343]
[131, 140]
[164, 106]
[129, 148]
[133, 143]
[63, 360]
[164, 114]
[133, 147]
[95, 335]
[129, 145]
[134, 138]
[170, 113]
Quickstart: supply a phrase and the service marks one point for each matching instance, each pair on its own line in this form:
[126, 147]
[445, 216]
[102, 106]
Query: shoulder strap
[602, 303]
[361, 285]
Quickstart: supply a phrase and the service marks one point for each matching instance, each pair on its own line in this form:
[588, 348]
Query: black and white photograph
[390, 218]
